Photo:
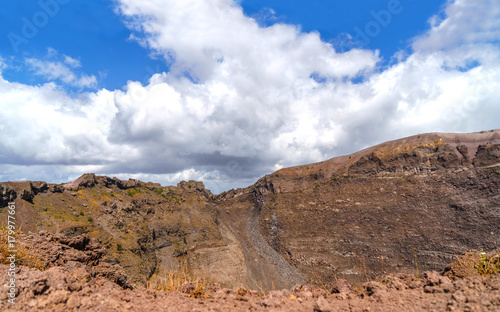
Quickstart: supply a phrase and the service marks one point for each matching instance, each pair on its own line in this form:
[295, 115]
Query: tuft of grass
[484, 264]
[158, 190]
[90, 219]
[487, 265]
[82, 213]
[177, 200]
[169, 280]
[132, 191]
[119, 247]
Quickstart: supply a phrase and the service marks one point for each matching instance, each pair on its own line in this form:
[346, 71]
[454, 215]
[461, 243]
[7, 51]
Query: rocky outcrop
[487, 155]
[33, 188]
[90, 180]
[80, 256]
[421, 159]
[195, 187]
[7, 194]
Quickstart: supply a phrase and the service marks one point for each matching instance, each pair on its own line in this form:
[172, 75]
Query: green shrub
[119, 247]
[90, 219]
[487, 265]
[484, 264]
[177, 200]
[131, 192]
[82, 213]
[158, 190]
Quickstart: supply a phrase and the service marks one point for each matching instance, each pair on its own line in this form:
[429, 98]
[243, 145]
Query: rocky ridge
[420, 199]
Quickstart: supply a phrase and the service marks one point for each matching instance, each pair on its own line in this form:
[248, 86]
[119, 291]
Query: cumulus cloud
[462, 22]
[201, 37]
[43, 125]
[242, 99]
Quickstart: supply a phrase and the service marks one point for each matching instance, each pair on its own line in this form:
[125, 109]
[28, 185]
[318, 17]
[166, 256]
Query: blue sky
[334, 18]
[88, 30]
[93, 33]
[227, 91]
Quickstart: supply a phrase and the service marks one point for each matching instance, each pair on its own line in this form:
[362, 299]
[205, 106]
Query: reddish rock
[341, 286]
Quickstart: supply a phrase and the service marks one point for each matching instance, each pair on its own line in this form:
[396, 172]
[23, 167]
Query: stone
[341, 286]
[322, 305]
[7, 194]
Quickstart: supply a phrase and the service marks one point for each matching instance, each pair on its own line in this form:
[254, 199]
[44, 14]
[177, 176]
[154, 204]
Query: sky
[226, 91]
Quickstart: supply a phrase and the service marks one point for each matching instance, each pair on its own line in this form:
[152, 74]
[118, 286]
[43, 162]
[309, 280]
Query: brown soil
[80, 280]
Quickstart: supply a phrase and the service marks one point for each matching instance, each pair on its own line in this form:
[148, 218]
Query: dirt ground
[77, 279]
[50, 291]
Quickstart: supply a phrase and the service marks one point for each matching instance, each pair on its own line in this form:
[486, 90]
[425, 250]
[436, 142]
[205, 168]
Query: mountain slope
[431, 196]
[425, 198]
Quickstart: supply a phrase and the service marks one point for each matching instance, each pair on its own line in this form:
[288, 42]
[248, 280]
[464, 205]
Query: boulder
[7, 194]
[487, 155]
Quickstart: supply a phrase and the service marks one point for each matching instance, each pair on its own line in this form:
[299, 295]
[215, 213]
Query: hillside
[426, 198]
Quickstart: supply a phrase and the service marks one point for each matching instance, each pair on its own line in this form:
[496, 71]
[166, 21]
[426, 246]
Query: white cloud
[465, 22]
[3, 65]
[52, 53]
[53, 70]
[256, 103]
[198, 35]
[56, 67]
[72, 62]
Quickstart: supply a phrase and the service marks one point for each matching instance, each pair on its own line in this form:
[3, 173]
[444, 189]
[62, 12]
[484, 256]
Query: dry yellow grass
[25, 255]
[181, 279]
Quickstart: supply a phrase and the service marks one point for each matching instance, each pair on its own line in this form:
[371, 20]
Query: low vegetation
[158, 190]
[181, 279]
[24, 255]
[475, 262]
[132, 191]
[485, 264]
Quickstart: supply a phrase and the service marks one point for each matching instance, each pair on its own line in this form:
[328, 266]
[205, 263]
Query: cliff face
[423, 198]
